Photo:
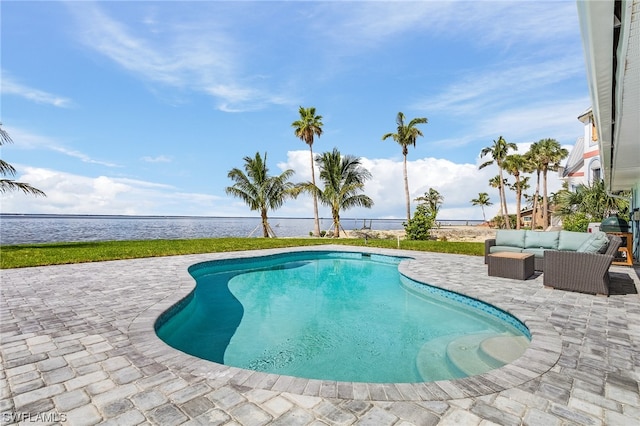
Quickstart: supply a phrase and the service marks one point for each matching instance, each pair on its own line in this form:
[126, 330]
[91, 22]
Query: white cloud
[69, 193]
[11, 87]
[81, 156]
[554, 119]
[198, 56]
[498, 24]
[33, 141]
[157, 159]
[491, 103]
[504, 85]
[457, 183]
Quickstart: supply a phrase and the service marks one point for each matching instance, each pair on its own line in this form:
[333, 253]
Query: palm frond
[4, 136]
[11, 185]
[7, 169]
[257, 188]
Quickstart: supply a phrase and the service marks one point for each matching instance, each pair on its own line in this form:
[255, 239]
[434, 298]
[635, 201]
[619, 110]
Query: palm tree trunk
[545, 201]
[265, 223]
[316, 221]
[518, 202]
[503, 200]
[507, 219]
[484, 217]
[534, 210]
[406, 189]
[336, 224]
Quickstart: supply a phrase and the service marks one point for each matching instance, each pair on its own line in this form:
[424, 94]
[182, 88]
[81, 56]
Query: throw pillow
[596, 244]
[512, 238]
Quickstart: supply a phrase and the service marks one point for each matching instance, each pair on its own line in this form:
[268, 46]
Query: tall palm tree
[515, 165]
[8, 169]
[343, 178]
[482, 201]
[260, 191]
[534, 165]
[406, 135]
[499, 151]
[433, 199]
[308, 126]
[549, 155]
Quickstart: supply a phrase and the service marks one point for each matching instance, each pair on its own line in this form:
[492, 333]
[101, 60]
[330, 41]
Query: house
[611, 40]
[583, 163]
[527, 214]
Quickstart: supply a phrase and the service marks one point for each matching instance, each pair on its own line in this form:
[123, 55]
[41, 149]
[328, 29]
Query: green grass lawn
[25, 255]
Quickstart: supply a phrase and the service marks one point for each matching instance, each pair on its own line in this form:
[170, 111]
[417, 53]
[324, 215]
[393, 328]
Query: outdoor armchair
[579, 271]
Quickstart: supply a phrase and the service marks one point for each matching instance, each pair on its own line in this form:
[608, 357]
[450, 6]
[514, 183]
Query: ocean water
[39, 228]
[24, 229]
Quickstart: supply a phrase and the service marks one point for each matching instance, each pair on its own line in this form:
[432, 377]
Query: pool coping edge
[542, 354]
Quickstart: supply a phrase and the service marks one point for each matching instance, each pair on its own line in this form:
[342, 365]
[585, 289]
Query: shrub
[419, 226]
[578, 222]
[498, 221]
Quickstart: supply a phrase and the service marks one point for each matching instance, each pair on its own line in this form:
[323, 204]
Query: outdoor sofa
[539, 242]
[576, 261]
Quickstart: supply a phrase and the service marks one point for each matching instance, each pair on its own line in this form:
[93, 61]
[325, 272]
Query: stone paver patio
[78, 347]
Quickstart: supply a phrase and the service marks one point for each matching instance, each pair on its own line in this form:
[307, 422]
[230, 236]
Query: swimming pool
[336, 316]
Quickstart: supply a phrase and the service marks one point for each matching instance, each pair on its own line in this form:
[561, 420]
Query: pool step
[504, 349]
[479, 353]
[463, 354]
[432, 363]
[468, 355]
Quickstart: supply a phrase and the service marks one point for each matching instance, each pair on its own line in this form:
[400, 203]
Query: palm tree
[495, 182]
[8, 169]
[343, 178]
[549, 155]
[499, 151]
[406, 135]
[433, 199]
[308, 126]
[482, 200]
[534, 165]
[260, 191]
[591, 200]
[515, 164]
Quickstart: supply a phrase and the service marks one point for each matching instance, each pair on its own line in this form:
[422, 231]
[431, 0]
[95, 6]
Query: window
[595, 170]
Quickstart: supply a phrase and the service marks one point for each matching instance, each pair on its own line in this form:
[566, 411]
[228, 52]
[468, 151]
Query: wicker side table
[519, 266]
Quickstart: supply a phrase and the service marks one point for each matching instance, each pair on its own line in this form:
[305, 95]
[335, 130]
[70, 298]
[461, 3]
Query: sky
[142, 108]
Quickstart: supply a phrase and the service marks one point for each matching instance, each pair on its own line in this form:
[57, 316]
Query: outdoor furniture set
[575, 261]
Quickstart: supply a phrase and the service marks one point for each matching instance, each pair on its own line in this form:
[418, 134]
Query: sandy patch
[450, 233]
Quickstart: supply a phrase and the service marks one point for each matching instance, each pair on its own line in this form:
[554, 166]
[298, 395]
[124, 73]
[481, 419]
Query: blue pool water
[333, 316]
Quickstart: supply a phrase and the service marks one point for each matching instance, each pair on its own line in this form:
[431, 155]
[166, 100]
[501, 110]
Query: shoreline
[457, 233]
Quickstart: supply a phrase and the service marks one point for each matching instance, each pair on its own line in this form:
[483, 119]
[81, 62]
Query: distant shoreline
[443, 222]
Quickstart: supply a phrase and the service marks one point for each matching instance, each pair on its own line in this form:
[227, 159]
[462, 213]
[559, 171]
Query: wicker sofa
[539, 242]
[575, 261]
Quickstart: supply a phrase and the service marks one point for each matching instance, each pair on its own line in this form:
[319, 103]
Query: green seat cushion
[570, 240]
[597, 243]
[510, 238]
[537, 252]
[498, 249]
[541, 239]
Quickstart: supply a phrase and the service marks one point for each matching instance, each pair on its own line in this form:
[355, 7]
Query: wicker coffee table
[519, 266]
